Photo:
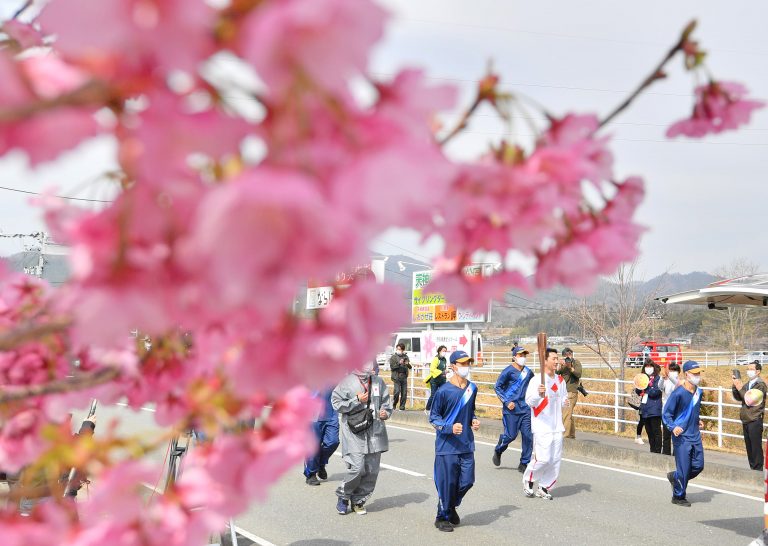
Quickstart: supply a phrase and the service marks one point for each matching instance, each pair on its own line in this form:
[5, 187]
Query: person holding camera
[570, 370]
[516, 415]
[751, 412]
[399, 364]
[454, 419]
[362, 400]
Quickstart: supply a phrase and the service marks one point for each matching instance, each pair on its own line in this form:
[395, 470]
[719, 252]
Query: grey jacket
[344, 399]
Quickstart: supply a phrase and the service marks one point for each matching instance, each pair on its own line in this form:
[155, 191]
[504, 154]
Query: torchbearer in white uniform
[546, 401]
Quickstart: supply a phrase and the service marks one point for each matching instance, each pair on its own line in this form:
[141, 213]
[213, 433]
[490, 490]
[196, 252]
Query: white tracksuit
[547, 427]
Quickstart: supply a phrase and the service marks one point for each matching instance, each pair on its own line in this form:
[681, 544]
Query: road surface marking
[602, 467]
[395, 468]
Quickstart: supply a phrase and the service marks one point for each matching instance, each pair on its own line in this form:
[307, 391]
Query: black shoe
[680, 502]
[312, 480]
[496, 458]
[671, 480]
[444, 526]
[402, 409]
[521, 467]
[454, 519]
[322, 474]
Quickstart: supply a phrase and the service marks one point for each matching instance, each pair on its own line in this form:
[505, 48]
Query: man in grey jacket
[361, 452]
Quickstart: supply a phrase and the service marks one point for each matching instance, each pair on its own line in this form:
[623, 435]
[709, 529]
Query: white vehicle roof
[751, 290]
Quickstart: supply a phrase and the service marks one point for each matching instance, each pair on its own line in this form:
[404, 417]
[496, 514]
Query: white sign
[319, 297]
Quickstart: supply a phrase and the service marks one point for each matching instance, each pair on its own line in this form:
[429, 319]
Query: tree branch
[84, 381]
[30, 331]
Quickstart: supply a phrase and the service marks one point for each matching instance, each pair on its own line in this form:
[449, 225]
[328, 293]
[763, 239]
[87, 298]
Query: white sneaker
[527, 488]
[542, 493]
[639, 441]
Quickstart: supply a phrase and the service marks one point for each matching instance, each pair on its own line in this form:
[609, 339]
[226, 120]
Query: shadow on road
[396, 502]
[701, 496]
[487, 517]
[745, 527]
[568, 490]
[396, 440]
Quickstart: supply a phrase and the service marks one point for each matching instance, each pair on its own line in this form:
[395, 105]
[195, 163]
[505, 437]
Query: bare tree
[613, 320]
[735, 325]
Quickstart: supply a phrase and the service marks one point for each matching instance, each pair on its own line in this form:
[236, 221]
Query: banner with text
[432, 307]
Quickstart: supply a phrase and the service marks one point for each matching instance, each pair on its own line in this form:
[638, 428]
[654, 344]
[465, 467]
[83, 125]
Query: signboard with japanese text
[320, 295]
[428, 307]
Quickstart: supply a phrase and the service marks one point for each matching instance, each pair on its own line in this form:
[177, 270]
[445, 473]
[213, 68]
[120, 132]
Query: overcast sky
[706, 199]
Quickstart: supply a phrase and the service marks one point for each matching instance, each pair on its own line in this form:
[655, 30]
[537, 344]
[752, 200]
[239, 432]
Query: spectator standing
[436, 377]
[751, 415]
[399, 364]
[570, 369]
[650, 405]
[669, 382]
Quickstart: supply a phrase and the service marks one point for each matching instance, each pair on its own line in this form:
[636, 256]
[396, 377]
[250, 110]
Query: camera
[568, 360]
[582, 390]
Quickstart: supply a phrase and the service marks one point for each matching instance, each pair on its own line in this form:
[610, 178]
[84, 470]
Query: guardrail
[501, 359]
[608, 397]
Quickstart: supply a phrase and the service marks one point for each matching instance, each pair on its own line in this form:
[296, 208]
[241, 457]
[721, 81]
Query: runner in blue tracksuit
[681, 416]
[453, 416]
[326, 429]
[516, 415]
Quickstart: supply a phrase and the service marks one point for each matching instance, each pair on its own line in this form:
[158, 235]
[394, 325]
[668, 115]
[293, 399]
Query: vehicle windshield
[637, 349]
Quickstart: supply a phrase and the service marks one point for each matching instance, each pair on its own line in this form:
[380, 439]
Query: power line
[59, 196]
[570, 36]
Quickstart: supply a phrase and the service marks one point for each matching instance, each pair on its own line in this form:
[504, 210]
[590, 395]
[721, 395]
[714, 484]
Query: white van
[421, 346]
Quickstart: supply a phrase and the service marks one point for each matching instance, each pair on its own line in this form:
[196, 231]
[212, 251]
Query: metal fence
[610, 393]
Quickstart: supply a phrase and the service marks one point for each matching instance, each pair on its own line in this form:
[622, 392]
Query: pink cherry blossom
[324, 41]
[25, 34]
[130, 38]
[569, 151]
[20, 438]
[720, 106]
[475, 292]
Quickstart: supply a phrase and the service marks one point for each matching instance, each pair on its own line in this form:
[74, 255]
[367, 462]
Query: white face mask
[463, 371]
[673, 376]
[399, 352]
[367, 367]
[751, 374]
[648, 370]
[520, 360]
[442, 354]
[694, 379]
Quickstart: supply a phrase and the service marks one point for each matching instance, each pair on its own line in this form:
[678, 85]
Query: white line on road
[395, 468]
[612, 469]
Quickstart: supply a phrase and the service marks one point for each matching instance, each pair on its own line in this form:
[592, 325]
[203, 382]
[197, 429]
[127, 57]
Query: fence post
[616, 405]
[492, 354]
[706, 359]
[410, 387]
[719, 416]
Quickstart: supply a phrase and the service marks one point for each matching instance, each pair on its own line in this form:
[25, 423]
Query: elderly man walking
[358, 394]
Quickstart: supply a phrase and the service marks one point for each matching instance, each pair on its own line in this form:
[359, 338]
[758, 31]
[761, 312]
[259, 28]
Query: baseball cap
[520, 350]
[460, 356]
[692, 366]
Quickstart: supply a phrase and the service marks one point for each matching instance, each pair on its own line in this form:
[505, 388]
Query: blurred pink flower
[475, 292]
[25, 34]
[324, 41]
[130, 38]
[720, 106]
[21, 440]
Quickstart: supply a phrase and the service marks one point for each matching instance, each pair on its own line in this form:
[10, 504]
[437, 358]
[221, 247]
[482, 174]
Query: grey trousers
[361, 476]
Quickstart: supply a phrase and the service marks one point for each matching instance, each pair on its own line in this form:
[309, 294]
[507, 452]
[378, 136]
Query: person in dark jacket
[399, 364]
[650, 405]
[751, 415]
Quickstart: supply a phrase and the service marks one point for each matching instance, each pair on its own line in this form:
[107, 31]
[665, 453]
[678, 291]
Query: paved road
[592, 505]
